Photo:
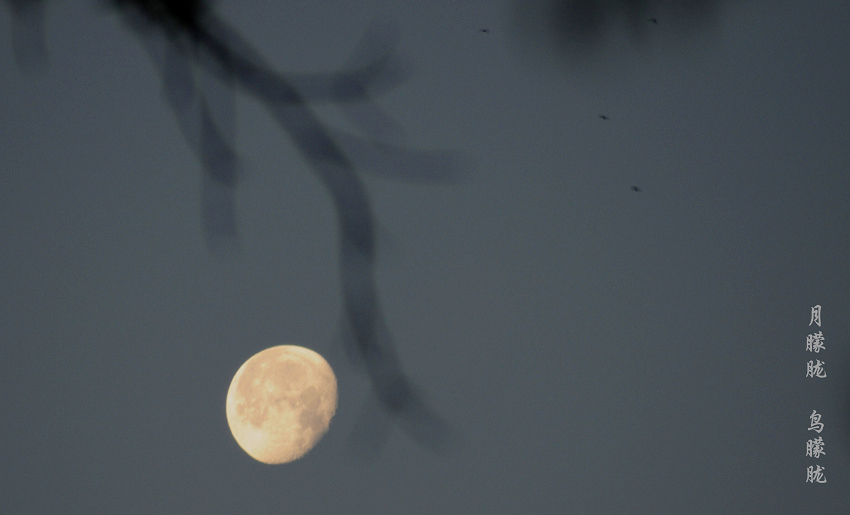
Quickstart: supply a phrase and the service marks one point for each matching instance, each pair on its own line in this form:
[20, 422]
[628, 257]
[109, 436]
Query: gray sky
[597, 349]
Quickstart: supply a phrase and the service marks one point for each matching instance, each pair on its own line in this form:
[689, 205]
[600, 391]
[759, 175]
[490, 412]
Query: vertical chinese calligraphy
[815, 316]
[815, 474]
[815, 370]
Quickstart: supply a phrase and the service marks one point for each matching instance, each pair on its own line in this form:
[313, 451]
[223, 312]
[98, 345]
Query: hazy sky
[596, 349]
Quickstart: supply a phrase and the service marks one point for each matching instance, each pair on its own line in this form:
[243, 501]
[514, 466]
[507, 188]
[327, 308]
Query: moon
[280, 403]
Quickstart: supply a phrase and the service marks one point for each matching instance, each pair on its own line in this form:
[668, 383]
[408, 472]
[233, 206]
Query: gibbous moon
[280, 403]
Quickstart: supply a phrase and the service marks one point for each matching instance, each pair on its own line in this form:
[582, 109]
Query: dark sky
[596, 349]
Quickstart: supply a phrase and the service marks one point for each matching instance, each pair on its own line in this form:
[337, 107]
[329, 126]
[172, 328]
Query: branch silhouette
[28, 33]
[585, 27]
[186, 39]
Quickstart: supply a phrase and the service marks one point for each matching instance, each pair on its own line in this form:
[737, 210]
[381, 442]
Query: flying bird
[603, 116]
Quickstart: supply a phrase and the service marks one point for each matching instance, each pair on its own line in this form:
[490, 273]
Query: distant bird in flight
[653, 20]
[603, 116]
[635, 188]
